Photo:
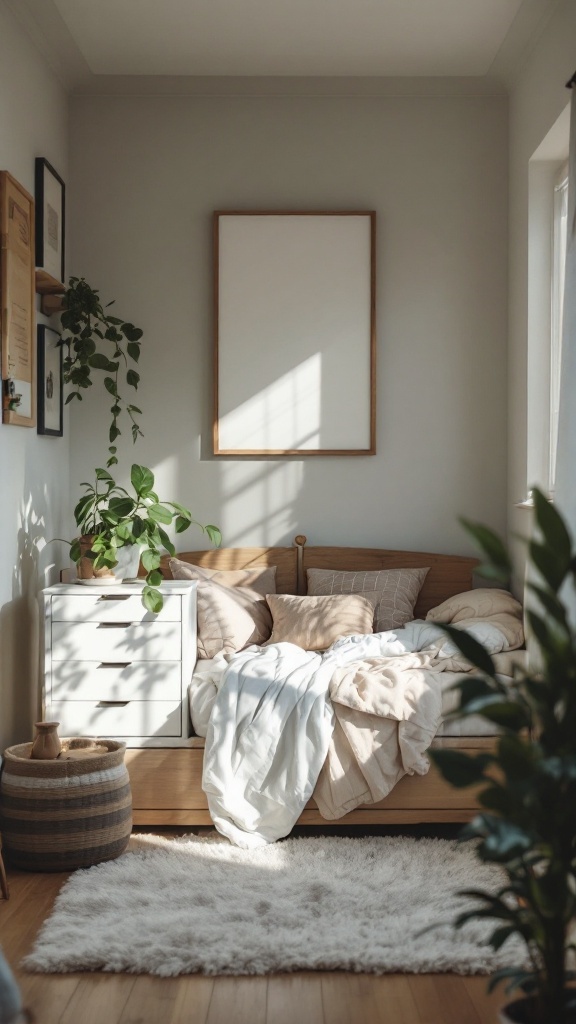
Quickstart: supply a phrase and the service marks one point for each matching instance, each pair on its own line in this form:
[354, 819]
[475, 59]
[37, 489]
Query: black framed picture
[50, 220]
[50, 390]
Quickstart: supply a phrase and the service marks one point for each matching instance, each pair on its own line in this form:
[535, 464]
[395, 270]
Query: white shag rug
[169, 907]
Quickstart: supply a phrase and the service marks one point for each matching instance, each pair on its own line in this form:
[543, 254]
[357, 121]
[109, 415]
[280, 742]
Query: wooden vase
[46, 745]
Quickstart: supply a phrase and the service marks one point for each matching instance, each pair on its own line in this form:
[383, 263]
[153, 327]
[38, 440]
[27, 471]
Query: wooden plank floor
[300, 998]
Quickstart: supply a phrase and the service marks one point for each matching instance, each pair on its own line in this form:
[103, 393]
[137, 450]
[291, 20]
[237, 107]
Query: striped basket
[59, 815]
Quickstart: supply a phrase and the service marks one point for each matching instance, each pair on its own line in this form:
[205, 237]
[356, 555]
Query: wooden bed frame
[167, 782]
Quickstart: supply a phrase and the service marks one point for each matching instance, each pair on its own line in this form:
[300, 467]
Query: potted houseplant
[111, 520]
[528, 785]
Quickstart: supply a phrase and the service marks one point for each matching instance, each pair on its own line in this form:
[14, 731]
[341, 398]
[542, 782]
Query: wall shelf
[51, 291]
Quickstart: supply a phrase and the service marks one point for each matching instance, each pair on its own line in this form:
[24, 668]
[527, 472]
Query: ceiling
[88, 39]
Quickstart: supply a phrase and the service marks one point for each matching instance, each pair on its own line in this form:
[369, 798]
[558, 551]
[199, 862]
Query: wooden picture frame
[50, 194]
[50, 382]
[17, 287]
[294, 333]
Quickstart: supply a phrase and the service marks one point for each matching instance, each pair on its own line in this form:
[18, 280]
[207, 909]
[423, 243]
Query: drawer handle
[114, 625]
[112, 703]
[114, 664]
[114, 597]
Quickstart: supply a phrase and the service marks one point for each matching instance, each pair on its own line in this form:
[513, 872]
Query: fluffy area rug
[169, 907]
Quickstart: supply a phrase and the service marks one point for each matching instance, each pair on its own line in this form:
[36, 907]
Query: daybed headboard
[449, 574]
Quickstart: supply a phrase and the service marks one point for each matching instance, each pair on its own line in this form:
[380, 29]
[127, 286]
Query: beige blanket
[387, 712]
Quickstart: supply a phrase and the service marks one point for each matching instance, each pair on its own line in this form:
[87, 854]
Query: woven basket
[59, 815]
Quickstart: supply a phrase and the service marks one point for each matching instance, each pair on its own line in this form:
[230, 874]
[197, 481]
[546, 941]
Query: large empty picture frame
[294, 333]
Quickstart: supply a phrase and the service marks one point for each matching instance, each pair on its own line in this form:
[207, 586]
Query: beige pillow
[314, 623]
[261, 579]
[476, 604]
[397, 590]
[230, 616]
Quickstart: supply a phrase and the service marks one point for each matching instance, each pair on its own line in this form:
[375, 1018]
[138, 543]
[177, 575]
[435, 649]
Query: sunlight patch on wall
[284, 414]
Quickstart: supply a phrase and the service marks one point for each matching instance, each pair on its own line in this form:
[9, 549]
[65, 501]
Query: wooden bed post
[300, 541]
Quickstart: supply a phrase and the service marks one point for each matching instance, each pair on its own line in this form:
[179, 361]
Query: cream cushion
[232, 609]
[476, 604]
[314, 623]
[397, 590]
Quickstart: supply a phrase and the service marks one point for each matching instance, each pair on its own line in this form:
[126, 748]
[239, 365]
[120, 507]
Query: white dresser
[115, 670]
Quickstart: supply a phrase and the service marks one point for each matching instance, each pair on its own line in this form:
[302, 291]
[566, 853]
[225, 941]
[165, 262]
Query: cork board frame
[17, 299]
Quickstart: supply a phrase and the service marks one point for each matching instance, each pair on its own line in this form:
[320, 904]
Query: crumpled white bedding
[271, 727]
[419, 635]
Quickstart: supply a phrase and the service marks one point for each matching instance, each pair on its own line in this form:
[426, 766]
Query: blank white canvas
[294, 332]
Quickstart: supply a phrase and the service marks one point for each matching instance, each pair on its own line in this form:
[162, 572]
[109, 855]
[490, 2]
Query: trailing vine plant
[96, 340]
[107, 515]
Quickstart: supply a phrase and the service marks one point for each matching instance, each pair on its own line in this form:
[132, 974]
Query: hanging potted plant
[528, 795]
[117, 528]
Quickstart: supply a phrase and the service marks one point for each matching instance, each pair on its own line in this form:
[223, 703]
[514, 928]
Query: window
[558, 269]
[547, 234]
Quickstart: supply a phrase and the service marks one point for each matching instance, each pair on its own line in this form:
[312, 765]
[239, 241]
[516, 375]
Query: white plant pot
[128, 562]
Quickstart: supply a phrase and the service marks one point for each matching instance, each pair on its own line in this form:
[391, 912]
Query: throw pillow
[397, 590]
[314, 623]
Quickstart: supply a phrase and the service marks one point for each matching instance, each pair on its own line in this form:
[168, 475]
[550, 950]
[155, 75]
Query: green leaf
[160, 514]
[113, 433]
[110, 385]
[150, 559]
[507, 713]
[458, 768]
[142, 479]
[552, 528]
[104, 476]
[133, 350]
[492, 547]
[181, 524]
[152, 600]
[75, 551]
[99, 361]
[516, 757]
[551, 568]
[472, 650]
[82, 508]
[73, 394]
[166, 541]
[501, 935]
[131, 333]
[214, 535]
[154, 578]
[123, 506]
[124, 531]
[132, 378]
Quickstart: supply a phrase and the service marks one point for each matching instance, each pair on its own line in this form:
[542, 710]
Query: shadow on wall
[35, 567]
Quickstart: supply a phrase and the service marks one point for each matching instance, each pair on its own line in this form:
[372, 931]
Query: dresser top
[81, 590]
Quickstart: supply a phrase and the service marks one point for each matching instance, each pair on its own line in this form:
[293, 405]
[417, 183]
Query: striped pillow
[398, 590]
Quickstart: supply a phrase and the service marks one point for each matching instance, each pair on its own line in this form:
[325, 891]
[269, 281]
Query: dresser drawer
[135, 718]
[121, 641]
[95, 681]
[112, 608]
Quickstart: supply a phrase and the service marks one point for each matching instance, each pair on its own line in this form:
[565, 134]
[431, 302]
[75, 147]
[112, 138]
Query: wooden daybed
[167, 783]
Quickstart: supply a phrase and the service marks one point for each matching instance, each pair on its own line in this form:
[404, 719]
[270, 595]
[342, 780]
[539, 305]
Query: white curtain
[565, 489]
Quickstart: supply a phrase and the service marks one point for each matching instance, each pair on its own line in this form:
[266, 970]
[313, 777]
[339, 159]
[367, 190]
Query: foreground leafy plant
[528, 827]
[113, 518]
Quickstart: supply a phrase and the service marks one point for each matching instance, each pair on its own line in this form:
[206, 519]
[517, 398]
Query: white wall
[33, 469]
[148, 172]
[537, 98]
